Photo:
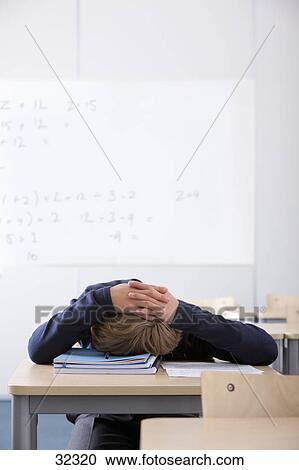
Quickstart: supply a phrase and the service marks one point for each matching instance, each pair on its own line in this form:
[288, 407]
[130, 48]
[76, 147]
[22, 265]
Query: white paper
[195, 369]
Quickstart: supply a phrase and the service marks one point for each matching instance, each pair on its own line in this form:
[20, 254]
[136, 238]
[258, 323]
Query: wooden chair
[240, 412]
[293, 314]
[285, 306]
[219, 433]
[232, 395]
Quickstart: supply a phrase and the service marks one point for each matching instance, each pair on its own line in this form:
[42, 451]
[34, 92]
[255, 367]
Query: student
[202, 336]
[126, 335]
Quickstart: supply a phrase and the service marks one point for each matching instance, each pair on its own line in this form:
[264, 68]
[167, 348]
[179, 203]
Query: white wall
[277, 149]
[21, 290]
[164, 39]
[54, 23]
[168, 39]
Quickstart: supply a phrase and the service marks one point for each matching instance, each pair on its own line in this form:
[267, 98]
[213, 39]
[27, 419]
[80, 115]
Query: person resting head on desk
[125, 335]
[163, 325]
[145, 329]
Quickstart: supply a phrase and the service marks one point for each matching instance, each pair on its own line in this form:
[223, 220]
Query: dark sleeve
[66, 328]
[226, 339]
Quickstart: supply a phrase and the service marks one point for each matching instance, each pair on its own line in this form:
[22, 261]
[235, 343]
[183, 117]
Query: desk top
[33, 379]
[292, 331]
[280, 330]
[220, 433]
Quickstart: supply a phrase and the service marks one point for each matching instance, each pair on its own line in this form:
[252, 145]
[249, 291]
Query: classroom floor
[53, 430]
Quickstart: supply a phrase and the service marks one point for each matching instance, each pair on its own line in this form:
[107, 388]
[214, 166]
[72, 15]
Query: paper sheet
[195, 369]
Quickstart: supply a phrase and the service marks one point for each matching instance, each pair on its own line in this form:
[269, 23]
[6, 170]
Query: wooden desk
[37, 390]
[219, 433]
[32, 379]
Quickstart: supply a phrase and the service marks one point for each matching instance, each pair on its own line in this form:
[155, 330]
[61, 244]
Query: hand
[138, 292]
[152, 299]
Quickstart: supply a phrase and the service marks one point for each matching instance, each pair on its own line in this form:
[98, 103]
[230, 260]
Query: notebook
[90, 361]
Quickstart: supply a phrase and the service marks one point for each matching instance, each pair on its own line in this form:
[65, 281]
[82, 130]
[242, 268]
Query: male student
[125, 334]
[202, 336]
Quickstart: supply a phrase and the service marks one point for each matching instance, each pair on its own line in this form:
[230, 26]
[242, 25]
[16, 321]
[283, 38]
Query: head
[127, 334]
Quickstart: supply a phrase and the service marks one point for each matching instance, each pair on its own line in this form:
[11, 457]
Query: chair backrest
[234, 395]
[293, 314]
[287, 305]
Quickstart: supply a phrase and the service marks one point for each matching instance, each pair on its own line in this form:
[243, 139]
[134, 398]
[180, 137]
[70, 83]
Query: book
[92, 356]
[90, 361]
[110, 370]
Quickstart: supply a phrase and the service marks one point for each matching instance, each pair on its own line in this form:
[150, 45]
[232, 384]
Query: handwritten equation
[36, 198]
[27, 219]
[30, 124]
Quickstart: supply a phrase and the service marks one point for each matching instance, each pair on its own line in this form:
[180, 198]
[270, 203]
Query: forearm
[230, 340]
[64, 329]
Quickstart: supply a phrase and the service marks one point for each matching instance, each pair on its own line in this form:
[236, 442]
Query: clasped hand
[145, 300]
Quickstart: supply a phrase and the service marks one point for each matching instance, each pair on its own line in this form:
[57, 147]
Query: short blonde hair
[127, 334]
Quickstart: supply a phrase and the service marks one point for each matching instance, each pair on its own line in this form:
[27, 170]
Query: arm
[205, 334]
[64, 329]
[226, 339]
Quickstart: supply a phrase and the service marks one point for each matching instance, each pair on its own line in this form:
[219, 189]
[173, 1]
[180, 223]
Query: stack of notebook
[90, 361]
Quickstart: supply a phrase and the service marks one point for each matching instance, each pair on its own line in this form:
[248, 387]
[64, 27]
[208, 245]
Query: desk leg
[286, 355]
[33, 431]
[279, 364]
[23, 424]
[293, 356]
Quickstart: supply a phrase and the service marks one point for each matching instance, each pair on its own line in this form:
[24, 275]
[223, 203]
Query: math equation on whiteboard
[107, 176]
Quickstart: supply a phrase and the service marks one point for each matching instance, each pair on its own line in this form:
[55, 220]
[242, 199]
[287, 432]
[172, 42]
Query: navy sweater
[204, 335]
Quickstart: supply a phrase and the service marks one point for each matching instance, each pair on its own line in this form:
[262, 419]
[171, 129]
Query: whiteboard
[62, 202]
